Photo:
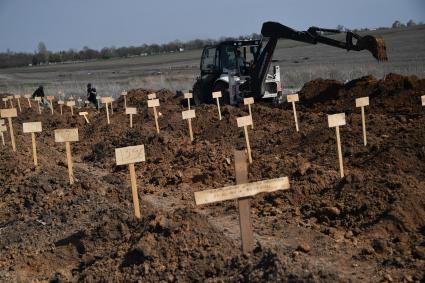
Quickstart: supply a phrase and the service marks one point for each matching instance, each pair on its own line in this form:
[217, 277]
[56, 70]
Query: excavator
[224, 67]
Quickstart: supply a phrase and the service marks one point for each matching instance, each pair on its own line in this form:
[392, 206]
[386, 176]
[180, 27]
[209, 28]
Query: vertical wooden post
[338, 141]
[51, 106]
[131, 120]
[245, 224]
[107, 113]
[61, 106]
[248, 101]
[189, 115]
[112, 107]
[217, 95]
[72, 110]
[2, 138]
[364, 126]
[337, 120]
[11, 101]
[248, 146]
[28, 96]
[362, 102]
[34, 149]
[38, 104]
[295, 116]
[134, 190]
[97, 100]
[156, 119]
[69, 160]
[125, 101]
[244, 122]
[219, 111]
[250, 114]
[12, 136]
[189, 121]
[293, 98]
[18, 97]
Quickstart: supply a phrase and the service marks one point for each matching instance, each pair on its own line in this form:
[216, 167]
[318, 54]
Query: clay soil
[366, 227]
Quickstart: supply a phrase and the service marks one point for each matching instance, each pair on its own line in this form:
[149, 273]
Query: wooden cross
[245, 122]
[10, 98]
[248, 101]
[362, 102]
[107, 100]
[130, 155]
[124, 93]
[9, 114]
[18, 98]
[38, 99]
[188, 96]
[50, 98]
[131, 111]
[61, 103]
[189, 115]
[217, 95]
[151, 95]
[2, 129]
[85, 116]
[33, 127]
[153, 103]
[243, 191]
[71, 104]
[67, 136]
[337, 120]
[293, 98]
[28, 97]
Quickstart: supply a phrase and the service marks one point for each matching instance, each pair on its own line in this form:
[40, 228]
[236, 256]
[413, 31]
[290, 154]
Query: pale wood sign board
[124, 93]
[292, 98]
[84, 114]
[188, 96]
[337, 120]
[153, 103]
[217, 95]
[131, 111]
[130, 155]
[152, 96]
[248, 101]
[362, 102]
[245, 122]
[9, 114]
[67, 136]
[33, 127]
[189, 115]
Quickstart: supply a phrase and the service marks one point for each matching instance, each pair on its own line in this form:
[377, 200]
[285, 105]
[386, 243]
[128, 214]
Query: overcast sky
[64, 24]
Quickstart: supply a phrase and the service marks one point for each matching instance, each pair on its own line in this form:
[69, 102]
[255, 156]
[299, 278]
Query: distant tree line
[43, 56]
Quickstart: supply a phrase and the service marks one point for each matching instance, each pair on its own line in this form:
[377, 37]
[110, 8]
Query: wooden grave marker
[152, 96]
[9, 114]
[292, 98]
[248, 101]
[112, 107]
[245, 122]
[189, 115]
[67, 136]
[131, 111]
[188, 96]
[79, 100]
[130, 155]
[50, 98]
[86, 103]
[423, 100]
[28, 97]
[84, 114]
[106, 100]
[124, 93]
[4, 99]
[33, 127]
[362, 102]
[153, 103]
[243, 191]
[61, 103]
[217, 95]
[10, 99]
[71, 104]
[18, 99]
[337, 120]
[38, 100]
[98, 98]
[2, 129]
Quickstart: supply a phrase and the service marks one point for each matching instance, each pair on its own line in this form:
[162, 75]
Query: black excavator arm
[275, 31]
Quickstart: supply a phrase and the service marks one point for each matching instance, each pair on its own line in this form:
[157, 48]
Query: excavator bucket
[376, 46]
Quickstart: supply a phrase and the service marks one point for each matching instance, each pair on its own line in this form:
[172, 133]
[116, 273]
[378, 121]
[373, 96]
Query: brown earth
[366, 227]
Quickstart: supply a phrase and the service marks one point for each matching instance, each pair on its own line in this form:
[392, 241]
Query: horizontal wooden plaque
[188, 114]
[130, 154]
[292, 97]
[66, 135]
[50, 97]
[248, 100]
[131, 110]
[8, 113]
[32, 127]
[9, 97]
[4, 99]
[241, 191]
[87, 102]
[37, 98]
[70, 103]
[27, 95]
[153, 103]
[98, 97]
[336, 120]
[244, 121]
[362, 101]
[151, 95]
[423, 100]
[106, 99]
[61, 102]
[83, 113]
[216, 94]
[123, 93]
[188, 95]
[17, 96]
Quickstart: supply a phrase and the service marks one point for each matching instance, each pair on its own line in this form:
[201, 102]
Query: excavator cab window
[228, 59]
[209, 62]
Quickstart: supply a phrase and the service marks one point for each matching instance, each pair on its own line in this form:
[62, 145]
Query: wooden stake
[2, 129]
[248, 101]
[61, 103]
[188, 96]
[34, 149]
[18, 97]
[130, 155]
[10, 98]
[292, 98]
[71, 104]
[32, 127]
[362, 102]
[244, 122]
[67, 136]
[337, 120]
[97, 99]
[423, 100]
[189, 115]
[50, 99]
[153, 103]
[112, 107]
[28, 96]
[85, 116]
[107, 100]
[124, 93]
[5, 102]
[131, 111]
[9, 113]
[217, 95]
[38, 100]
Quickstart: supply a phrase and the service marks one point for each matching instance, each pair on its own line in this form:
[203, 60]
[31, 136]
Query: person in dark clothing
[39, 92]
[91, 95]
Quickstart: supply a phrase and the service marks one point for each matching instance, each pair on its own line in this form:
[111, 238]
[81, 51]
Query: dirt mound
[368, 226]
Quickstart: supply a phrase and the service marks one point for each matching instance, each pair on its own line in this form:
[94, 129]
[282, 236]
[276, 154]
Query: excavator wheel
[197, 93]
[224, 88]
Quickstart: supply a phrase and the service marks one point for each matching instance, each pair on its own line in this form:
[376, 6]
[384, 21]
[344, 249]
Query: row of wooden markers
[241, 192]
